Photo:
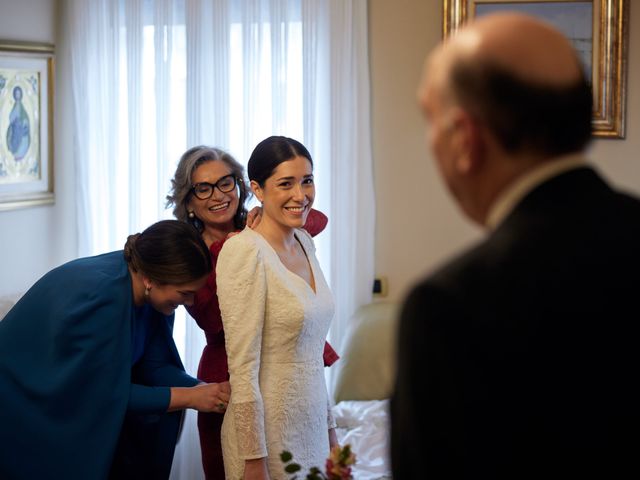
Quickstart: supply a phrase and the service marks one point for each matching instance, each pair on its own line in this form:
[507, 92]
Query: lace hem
[331, 421]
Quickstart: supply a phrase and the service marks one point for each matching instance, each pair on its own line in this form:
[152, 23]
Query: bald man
[520, 358]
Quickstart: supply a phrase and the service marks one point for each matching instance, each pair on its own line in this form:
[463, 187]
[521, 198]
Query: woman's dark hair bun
[130, 250]
[168, 252]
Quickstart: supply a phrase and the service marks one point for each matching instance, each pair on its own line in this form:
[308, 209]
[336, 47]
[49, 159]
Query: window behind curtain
[238, 144]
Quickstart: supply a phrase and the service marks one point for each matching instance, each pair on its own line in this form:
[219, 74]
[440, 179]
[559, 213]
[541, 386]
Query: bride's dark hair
[270, 153]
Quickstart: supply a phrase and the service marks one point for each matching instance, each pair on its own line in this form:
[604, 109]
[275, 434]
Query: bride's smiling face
[288, 194]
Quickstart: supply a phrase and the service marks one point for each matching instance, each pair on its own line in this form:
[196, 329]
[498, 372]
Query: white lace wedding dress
[275, 327]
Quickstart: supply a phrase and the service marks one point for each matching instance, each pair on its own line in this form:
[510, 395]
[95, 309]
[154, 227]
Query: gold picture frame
[609, 44]
[26, 124]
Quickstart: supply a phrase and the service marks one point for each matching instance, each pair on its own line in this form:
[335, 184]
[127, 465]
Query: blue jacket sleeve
[159, 369]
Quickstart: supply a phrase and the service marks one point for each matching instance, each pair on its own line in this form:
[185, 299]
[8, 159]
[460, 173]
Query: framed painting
[599, 31]
[26, 124]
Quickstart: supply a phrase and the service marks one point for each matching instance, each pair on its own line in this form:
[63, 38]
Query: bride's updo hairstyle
[270, 153]
[169, 252]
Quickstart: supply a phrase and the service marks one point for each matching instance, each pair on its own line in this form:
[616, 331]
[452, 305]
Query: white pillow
[367, 363]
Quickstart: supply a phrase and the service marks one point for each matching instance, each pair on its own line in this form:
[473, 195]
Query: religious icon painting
[26, 121]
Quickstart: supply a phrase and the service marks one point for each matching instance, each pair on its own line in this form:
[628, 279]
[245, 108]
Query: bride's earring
[192, 215]
[147, 289]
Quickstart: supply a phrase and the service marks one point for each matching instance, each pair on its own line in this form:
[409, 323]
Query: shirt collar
[511, 196]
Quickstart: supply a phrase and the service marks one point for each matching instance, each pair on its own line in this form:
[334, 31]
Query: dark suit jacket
[520, 359]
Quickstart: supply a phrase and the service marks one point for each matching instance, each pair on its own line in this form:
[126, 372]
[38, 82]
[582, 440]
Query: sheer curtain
[153, 78]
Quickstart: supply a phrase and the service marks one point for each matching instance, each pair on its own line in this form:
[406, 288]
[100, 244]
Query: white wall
[34, 240]
[418, 226]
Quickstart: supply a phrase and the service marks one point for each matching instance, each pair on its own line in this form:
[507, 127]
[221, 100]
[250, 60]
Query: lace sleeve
[331, 421]
[241, 295]
[248, 418]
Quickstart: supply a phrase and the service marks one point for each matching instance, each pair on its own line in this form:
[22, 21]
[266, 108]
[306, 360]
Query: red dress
[213, 363]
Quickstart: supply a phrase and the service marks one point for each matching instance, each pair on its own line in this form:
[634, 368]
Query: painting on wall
[598, 30]
[26, 124]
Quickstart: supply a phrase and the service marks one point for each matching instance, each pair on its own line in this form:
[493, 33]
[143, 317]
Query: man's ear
[468, 141]
[257, 190]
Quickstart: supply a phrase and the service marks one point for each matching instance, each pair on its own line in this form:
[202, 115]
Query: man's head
[504, 94]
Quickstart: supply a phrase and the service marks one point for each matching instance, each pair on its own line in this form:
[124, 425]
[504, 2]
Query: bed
[363, 386]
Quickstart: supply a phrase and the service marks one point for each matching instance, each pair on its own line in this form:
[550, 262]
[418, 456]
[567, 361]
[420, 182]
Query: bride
[276, 309]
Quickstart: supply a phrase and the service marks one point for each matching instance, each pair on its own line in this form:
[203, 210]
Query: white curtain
[153, 78]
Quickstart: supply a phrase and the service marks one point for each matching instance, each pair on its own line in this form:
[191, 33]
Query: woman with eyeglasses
[91, 383]
[209, 191]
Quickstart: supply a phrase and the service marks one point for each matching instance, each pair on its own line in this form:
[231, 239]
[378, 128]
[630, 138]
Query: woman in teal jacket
[91, 384]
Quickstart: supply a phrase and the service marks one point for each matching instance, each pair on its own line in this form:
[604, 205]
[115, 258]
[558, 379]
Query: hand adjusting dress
[275, 327]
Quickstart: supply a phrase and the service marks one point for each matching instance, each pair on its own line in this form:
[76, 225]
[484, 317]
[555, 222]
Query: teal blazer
[71, 404]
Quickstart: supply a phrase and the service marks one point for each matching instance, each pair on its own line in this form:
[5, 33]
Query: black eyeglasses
[204, 190]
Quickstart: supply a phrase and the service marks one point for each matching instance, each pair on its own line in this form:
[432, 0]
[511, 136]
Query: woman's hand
[333, 438]
[254, 217]
[256, 469]
[205, 397]
[211, 397]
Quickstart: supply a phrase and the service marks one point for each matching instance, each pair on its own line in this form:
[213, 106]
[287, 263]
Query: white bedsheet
[365, 426]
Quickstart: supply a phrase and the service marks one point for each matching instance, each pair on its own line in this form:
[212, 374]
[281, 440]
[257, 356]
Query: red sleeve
[330, 356]
[205, 309]
[316, 222]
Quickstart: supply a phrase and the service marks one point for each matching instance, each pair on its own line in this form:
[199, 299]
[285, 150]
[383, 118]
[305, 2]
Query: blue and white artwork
[574, 19]
[19, 126]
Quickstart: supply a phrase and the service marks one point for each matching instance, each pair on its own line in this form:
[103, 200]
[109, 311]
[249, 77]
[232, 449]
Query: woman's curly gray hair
[181, 183]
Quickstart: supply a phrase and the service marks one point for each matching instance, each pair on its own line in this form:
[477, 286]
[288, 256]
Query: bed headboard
[367, 363]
